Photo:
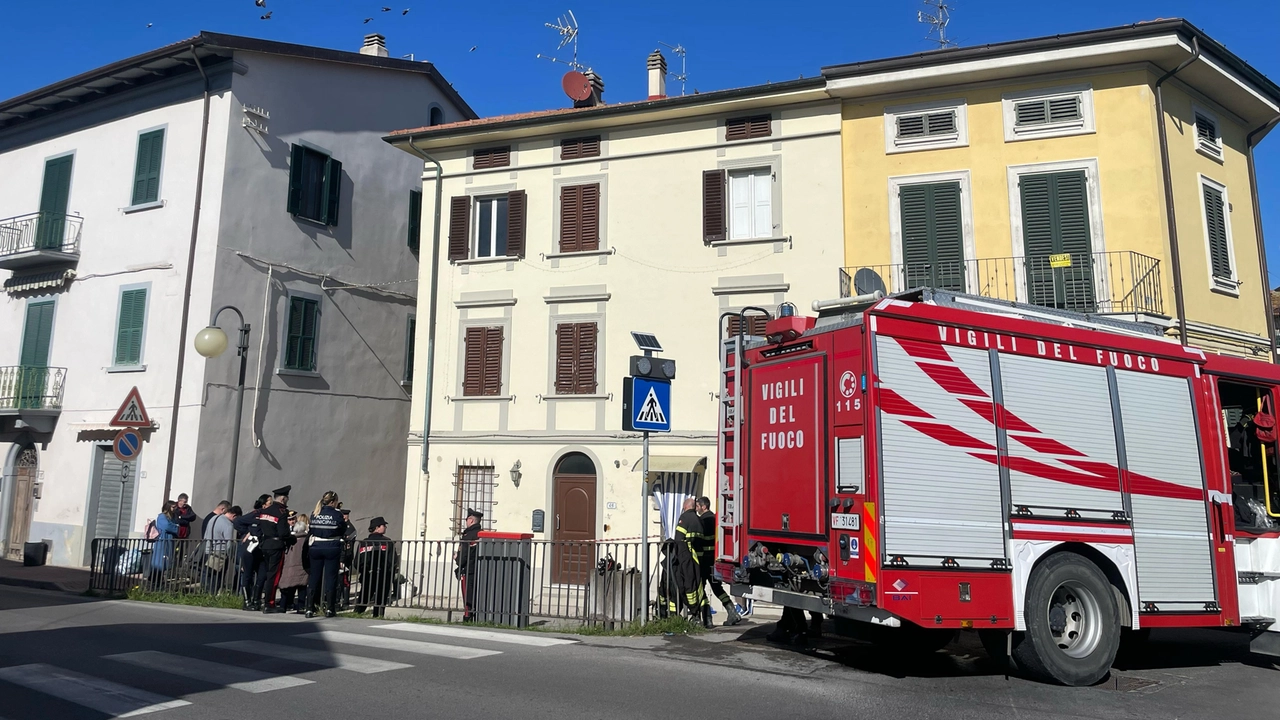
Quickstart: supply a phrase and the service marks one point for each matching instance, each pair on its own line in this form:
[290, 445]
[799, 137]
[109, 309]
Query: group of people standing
[693, 565]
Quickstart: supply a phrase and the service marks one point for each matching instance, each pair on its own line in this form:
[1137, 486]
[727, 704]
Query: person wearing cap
[273, 525]
[465, 559]
[248, 536]
[376, 563]
[327, 529]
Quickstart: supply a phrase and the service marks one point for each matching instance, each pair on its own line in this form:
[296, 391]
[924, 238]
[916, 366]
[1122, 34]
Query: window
[409, 340]
[1057, 240]
[146, 172]
[482, 362]
[750, 204]
[579, 218]
[920, 126]
[755, 325]
[473, 490]
[1217, 230]
[315, 185]
[300, 339]
[415, 219]
[583, 147]
[130, 323]
[499, 228]
[932, 236]
[1208, 137]
[436, 117]
[491, 158]
[576, 358]
[747, 128]
[1048, 112]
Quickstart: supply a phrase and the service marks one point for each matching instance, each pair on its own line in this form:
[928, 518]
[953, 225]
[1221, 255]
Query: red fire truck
[929, 462]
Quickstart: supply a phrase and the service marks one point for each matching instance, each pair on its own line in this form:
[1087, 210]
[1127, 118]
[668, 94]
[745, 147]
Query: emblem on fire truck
[848, 383]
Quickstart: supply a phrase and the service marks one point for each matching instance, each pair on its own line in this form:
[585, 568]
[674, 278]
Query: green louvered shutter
[146, 173]
[1215, 216]
[932, 236]
[332, 190]
[34, 358]
[1055, 221]
[300, 343]
[297, 157]
[415, 219]
[54, 195]
[133, 314]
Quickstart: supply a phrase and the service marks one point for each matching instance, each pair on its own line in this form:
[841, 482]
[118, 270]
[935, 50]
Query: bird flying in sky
[367, 21]
[405, 11]
[260, 3]
[267, 16]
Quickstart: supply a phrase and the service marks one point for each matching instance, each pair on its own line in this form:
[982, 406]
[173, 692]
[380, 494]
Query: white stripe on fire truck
[1081, 529]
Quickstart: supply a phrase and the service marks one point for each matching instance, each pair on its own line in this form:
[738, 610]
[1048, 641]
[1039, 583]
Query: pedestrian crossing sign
[646, 405]
[132, 412]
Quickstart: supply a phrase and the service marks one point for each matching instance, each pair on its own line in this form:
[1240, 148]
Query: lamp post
[211, 342]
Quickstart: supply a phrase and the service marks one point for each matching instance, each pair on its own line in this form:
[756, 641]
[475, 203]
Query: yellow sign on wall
[1061, 260]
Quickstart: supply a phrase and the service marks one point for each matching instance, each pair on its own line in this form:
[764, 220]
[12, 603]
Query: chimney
[375, 45]
[597, 90]
[657, 75]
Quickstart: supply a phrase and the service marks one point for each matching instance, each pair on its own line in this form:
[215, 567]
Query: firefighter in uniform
[248, 535]
[465, 558]
[273, 524]
[328, 526]
[707, 566]
[693, 550]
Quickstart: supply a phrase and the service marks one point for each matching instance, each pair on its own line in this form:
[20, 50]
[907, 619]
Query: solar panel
[646, 341]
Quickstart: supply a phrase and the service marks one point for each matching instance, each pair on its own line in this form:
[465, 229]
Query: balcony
[37, 389]
[39, 238]
[1111, 283]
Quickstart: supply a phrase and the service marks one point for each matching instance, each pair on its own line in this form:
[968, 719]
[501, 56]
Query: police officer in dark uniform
[273, 524]
[249, 555]
[377, 563]
[348, 555]
[465, 558]
[328, 526]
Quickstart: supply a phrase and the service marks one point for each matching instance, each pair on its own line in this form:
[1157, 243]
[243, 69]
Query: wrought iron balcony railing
[39, 236]
[31, 388]
[1105, 282]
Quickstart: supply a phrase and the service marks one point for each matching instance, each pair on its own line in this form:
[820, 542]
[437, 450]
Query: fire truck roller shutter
[1170, 527]
[941, 498]
[1062, 440]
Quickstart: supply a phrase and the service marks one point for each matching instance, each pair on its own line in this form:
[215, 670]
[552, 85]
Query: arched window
[437, 116]
[575, 464]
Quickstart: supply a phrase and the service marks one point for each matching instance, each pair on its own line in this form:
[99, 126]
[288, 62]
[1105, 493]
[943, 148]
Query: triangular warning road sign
[651, 410]
[132, 413]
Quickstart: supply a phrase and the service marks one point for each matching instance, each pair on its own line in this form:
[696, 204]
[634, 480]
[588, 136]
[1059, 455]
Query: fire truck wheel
[1073, 623]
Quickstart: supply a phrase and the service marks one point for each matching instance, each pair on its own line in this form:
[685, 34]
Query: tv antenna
[679, 51]
[937, 17]
[567, 26]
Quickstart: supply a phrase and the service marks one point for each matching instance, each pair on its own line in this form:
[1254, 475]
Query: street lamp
[211, 342]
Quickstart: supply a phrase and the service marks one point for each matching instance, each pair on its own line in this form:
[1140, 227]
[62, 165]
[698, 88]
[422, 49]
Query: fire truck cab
[933, 461]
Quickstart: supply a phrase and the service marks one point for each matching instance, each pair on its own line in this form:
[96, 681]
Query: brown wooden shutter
[713, 205]
[589, 227]
[755, 325]
[746, 128]
[586, 359]
[491, 158]
[583, 147]
[459, 227]
[492, 361]
[570, 218]
[516, 220]
[473, 361]
[566, 351]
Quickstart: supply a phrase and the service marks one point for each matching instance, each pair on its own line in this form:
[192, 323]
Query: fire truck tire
[1073, 623]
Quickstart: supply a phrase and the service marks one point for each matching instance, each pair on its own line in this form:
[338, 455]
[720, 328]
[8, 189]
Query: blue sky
[730, 44]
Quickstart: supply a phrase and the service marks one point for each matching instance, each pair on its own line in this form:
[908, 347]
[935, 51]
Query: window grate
[473, 489]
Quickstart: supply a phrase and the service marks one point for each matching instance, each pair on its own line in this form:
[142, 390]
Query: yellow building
[1036, 171]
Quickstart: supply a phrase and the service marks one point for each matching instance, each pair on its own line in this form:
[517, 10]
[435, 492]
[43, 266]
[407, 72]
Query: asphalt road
[63, 656]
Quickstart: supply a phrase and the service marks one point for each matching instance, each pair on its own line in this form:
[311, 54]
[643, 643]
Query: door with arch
[574, 553]
[24, 481]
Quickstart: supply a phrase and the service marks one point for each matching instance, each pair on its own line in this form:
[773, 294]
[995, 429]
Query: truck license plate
[846, 521]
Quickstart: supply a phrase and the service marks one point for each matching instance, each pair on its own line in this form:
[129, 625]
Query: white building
[562, 232]
[145, 194]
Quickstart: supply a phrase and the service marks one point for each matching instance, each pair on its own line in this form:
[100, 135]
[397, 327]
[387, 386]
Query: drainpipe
[186, 293]
[1257, 229]
[431, 314]
[1175, 258]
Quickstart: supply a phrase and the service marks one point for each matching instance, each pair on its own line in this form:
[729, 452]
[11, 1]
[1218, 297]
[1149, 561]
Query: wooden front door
[575, 521]
[24, 480]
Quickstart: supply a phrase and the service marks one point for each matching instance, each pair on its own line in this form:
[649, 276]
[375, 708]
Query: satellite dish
[576, 86]
[867, 281]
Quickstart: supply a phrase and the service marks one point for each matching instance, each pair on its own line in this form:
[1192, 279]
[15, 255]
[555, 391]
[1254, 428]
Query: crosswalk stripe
[390, 643]
[475, 634]
[354, 663]
[231, 676]
[112, 699]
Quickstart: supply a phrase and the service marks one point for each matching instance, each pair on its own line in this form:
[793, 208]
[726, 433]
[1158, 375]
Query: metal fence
[508, 582]
[1103, 282]
[40, 231]
[24, 387]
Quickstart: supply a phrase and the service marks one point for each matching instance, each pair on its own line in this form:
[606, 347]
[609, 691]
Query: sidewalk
[45, 577]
